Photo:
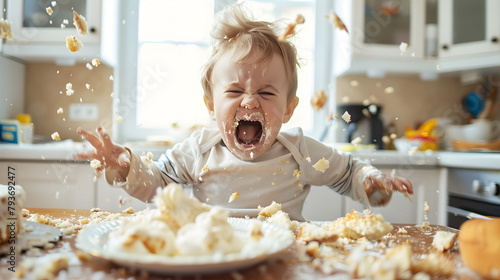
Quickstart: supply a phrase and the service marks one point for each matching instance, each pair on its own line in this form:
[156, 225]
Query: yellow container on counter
[26, 128]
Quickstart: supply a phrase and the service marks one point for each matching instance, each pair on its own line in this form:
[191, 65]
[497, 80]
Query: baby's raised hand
[111, 155]
[387, 183]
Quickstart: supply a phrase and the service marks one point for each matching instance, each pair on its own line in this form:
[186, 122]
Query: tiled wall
[45, 93]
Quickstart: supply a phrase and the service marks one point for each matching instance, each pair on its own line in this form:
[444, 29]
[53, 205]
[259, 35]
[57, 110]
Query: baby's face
[250, 103]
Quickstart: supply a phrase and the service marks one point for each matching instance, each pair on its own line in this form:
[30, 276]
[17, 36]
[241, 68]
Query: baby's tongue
[247, 131]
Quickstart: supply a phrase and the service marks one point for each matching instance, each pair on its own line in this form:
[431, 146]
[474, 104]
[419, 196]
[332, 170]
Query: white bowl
[405, 146]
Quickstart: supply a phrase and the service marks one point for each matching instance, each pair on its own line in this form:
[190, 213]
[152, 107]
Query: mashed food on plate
[182, 226]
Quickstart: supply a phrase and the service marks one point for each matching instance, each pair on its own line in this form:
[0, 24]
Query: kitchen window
[173, 44]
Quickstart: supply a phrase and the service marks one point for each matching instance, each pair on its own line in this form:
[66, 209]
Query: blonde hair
[233, 29]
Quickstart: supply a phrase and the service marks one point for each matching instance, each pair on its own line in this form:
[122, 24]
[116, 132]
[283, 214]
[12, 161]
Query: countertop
[65, 150]
[293, 263]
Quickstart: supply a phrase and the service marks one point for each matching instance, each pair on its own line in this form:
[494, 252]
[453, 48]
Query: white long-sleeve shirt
[283, 174]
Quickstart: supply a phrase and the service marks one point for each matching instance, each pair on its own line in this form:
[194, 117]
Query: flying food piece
[55, 136]
[290, 29]
[319, 99]
[73, 44]
[80, 23]
[5, 29]
[336, 21]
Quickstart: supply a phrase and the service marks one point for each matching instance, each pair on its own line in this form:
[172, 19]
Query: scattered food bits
[5, 29]
[73, 44]
[296, 174]
[89, 66]
[356, 141]
[319, 99]
[205, 168]
[443, 240]
[55, 136]
[346, 117]
[80, 23]
[322, 165]
[69, 89]
[118, 119]
[95, 62]
[87, 86]
[49, 10]
[308, 159]
[111, 78]
[426, 207]
[60, 110]
[149, 157]
[95, 163]
[354, 83]
[403, 47]
[389, 90]
[234, 196]
[337, 22]
[290, 29]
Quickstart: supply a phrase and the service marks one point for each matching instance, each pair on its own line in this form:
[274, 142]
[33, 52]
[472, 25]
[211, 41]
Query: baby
[250, 85]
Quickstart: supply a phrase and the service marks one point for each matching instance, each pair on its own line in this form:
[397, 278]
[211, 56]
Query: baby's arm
[379, 186]
[113, 157]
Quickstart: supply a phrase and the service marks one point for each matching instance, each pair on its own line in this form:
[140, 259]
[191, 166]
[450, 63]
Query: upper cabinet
[385, 25]
[428, 37]
[468, 27]
[40, 29]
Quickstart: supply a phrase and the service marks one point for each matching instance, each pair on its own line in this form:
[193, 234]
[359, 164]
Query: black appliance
[365, 123]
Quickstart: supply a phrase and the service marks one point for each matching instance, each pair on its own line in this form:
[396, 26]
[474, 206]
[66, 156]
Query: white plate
[93, 240]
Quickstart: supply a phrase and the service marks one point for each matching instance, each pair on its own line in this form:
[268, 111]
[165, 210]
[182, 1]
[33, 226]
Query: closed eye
[233, 93]
[266, 94]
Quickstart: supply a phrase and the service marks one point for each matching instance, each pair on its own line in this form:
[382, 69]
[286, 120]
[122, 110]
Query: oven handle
[466, 214]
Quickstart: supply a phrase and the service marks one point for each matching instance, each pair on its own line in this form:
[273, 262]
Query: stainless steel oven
[472, 193]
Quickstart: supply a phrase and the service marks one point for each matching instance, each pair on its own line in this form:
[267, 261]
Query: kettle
[365, 123]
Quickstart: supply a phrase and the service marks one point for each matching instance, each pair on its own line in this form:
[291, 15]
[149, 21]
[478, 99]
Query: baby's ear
[210, 107]
[290, 108]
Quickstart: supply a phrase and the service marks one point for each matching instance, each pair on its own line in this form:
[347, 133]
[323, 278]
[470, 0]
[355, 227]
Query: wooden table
[285, 266]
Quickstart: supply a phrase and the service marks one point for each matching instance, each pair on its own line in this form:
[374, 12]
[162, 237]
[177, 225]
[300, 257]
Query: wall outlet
[83, 112]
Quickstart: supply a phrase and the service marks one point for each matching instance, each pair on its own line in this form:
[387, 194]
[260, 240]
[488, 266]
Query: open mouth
[248, 132]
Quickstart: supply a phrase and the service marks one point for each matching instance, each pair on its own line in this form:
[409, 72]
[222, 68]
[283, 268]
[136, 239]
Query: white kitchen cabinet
[40, 36]
[53, 184]
[468, 27]
[377, 29]
[429, 186]
[116, 199]
[466, 40]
